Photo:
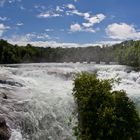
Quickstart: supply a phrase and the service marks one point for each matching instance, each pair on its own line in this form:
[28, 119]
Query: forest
[125, 53]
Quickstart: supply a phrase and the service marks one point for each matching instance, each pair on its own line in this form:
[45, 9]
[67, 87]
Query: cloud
[20, 24]
[90, 20]
[32, 36]
[78, 28]
[75, 27]
[59, 9]
[48, 14]
[87, 24]
[28, 39]
[49, 30]
[70, 10]
[122, 31]
[89, 30]
[3, 18]
[3, 28]
[94, 19]
[22, 40]
[70, 6]
[22, 7]
[45, 12]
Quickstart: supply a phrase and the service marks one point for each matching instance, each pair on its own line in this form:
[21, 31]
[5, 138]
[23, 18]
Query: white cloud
[32, 36]
[87, 24]
[70, 6]
[22, 7]
[122, 31]
[90, 20]
[59, 9]
[3, 18]
[49, 30]
[22, 39]
[93, 20]
[75, 27]
[48, 15]
[3, 28]
[78, 28]
[70, 10]
[26, 39]
[111, 42]
[12, 1]
[44, 15]
[75, 12]
[20, 24]
[96, 19]
[52, 12]
[89, 30]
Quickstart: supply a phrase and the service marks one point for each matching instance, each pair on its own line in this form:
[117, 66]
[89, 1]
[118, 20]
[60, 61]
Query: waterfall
[40, 105]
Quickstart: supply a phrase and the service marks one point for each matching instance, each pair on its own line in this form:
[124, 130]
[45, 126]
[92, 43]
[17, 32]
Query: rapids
[40, 104]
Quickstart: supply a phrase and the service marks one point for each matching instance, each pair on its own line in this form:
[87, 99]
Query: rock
[4, 130]
[3, 95]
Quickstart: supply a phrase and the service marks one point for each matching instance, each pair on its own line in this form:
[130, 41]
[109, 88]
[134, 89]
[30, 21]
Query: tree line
[127, 53]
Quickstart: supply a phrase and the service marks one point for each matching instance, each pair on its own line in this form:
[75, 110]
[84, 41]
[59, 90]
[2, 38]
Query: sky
[69, 22]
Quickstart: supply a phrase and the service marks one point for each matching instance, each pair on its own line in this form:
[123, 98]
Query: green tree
[103, 114]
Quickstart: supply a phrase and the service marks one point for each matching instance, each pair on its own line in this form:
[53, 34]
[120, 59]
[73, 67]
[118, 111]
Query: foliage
[28, 54]
[104, 114]
[126, 53]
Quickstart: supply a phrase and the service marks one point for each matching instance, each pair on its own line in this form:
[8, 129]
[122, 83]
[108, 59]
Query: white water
[40, 103]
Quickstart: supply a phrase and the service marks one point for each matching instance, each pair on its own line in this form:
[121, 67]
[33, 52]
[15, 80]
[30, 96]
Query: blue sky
[69, 22]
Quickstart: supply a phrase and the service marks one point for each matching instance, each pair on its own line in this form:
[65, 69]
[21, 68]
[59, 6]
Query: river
[40, 104]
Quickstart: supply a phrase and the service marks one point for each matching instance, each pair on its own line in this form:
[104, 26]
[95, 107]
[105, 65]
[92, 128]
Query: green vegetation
[29, 54]
[126, 53]
[104, 114]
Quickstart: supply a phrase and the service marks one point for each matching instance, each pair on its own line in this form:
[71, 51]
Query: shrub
[103, 114]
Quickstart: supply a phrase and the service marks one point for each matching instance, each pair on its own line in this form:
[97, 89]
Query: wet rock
[10, 82]
[3, 95]
[4, 130]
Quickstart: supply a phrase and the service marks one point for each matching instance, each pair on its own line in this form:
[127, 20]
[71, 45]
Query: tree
[103, 114]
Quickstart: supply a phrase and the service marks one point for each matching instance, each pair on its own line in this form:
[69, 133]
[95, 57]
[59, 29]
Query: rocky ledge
[5, 132]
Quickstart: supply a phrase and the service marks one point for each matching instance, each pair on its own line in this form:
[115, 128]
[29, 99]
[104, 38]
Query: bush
[104, 114]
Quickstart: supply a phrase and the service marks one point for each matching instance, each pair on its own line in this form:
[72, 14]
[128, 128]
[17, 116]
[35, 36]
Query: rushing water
[40, 104]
